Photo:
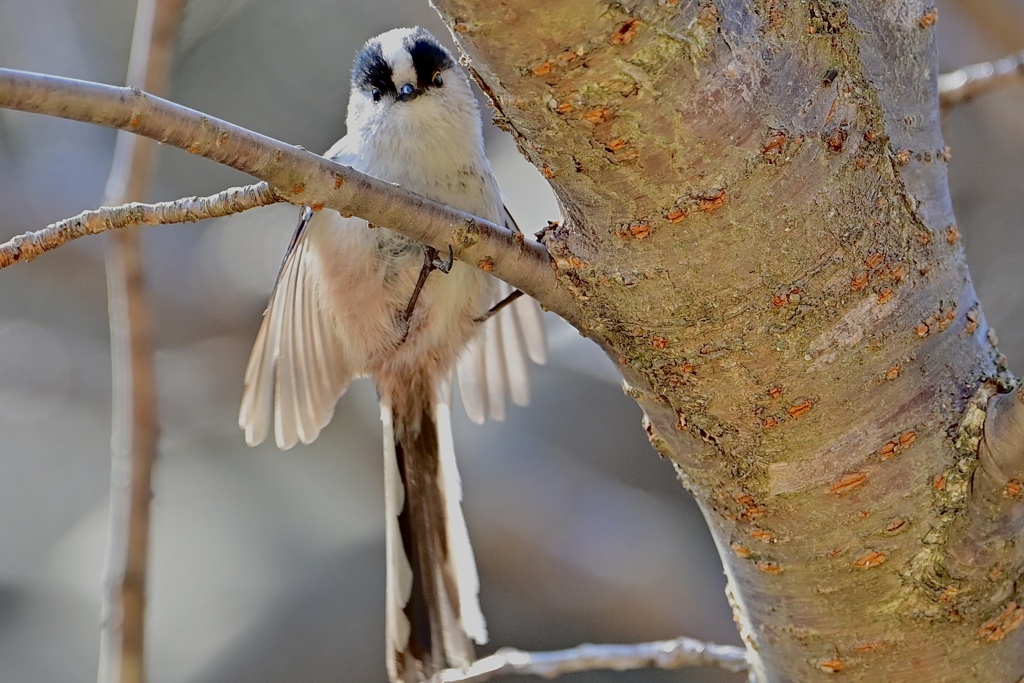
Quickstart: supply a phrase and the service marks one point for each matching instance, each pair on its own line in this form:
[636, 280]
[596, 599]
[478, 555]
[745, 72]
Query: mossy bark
[757, 227]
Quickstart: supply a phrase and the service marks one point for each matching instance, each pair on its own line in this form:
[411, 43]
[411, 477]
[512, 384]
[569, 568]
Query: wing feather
[297, 370]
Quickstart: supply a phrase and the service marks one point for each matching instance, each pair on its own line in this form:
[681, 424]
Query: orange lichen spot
[848, 482]
[338, 182]
[675, 215]
[770, 423]
[895, 526]
[885, 296]
[862, 163]
[659, 343]
[774, 144]
[193, 148]
[778, 301]
[546, 171]
[775, 392]
[832, 113]
[863, 514]
[888, 450]
[769, 567]
[972, 321]
[874, 260]
[564, 108]
[542, 69]
[831, 666]
[1014, 489]
[752, 512]
[996, 628]
[952, 234]
[135, 121]
[946, 317]
[939, 482]
[948, 593]
[837, 138]
[317, 206]
[903, 157]
[893, 372]
[869, 136]
[762, 535]
[625, 32]
[461, 28]
[929, 18]
[741, 551]
[688, 368]
[899, 273]
[922, 330]
[908, 438]
[596, 116]
[835, 552]
[869, 647]
[615, 145]
[860, 280]
[298, 188]
[800, 409]
[570, 55]
[713, 201]
[486, 264]
[640, 230]
[707, 15]
[869, 560]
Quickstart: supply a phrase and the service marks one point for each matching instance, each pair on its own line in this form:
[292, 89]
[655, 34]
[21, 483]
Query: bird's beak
[408, 92]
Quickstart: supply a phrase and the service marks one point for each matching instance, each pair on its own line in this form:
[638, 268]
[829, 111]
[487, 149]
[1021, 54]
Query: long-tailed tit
[350, 300]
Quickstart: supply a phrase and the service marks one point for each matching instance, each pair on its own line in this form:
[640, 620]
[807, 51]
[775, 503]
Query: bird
[353, 300]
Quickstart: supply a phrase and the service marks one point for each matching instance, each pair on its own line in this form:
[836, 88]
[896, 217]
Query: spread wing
[297, 370]
[493, 364]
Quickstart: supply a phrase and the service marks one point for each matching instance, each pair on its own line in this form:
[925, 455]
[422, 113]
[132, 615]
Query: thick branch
[24, 248]
[964, 84]
[302, 177]
[664, 654]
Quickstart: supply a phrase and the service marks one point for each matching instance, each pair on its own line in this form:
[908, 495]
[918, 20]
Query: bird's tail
[432, 606]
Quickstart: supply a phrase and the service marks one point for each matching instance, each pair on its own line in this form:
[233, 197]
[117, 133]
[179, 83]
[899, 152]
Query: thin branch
[135, 428]
[26, 247]
[964, 84]
[300, 176]
[662, 654]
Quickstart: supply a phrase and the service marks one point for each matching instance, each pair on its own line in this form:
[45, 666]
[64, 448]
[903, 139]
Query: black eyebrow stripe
[371, 70]
[428, 56]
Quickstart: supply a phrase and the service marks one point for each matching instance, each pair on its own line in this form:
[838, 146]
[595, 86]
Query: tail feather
[432, 584]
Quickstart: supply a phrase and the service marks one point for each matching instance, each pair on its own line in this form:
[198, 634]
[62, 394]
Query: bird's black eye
[437, 81]
[375, 93]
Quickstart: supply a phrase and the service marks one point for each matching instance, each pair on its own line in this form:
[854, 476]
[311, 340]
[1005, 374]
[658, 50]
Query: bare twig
[24, 248]
[663, 654]
[135, 428]
[966, 83]
[300, 176]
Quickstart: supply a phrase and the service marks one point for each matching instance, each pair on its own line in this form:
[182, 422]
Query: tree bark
[758, 228]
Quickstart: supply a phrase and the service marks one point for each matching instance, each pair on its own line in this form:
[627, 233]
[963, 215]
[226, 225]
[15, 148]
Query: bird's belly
[366, 278]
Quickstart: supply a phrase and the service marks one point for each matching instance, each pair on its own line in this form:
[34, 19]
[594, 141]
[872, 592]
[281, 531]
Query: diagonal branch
[964, 84]
[26, 247]
[662, 654]
[300, 176]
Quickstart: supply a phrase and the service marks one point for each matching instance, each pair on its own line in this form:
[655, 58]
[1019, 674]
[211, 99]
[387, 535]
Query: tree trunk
[757, 226]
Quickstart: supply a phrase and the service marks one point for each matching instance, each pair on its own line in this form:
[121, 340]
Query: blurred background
[268, 566]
